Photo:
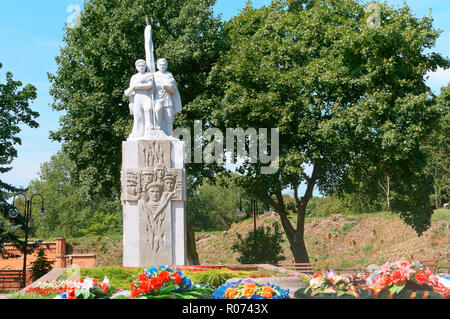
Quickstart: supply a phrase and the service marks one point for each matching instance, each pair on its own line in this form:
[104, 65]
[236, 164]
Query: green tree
[8, 234]
[212, 206]
[41, 265]
[15, 112]
[268, 249]
[438, 148]
[344, 94]
[100, 224]
[71, 210]
[95, 66]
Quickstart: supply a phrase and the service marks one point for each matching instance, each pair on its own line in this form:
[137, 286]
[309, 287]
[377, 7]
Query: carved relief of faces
[147, 177]
[155, 192]
[169, 184]
[160, 173]
[131, 184]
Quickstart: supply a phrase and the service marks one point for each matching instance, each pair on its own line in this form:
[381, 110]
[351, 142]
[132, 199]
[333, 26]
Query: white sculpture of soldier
[140, 93]
[167, 98]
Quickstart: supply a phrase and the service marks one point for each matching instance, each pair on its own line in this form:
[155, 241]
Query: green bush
[40, 266]
[268, 246]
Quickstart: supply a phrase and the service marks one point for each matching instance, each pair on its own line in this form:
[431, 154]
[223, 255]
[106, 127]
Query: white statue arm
[169, 89]
[145, 84]
[170, 86]
[143, 87]
[130, 91]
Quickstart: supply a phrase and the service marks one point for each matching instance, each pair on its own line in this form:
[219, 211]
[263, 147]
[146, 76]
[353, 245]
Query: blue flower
[186, 283]
[219, 293]
[63, 295]
[180, 273]
[149, 272]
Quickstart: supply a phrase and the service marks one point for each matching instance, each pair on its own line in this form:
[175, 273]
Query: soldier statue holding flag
[154, 97]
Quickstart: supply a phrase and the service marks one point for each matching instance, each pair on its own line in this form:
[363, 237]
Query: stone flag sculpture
[153, 183]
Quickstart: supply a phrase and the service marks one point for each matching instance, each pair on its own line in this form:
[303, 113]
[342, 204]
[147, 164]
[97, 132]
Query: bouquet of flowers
[248, 289]
[164, 282]
[404, 275]
[88, 288]
[329, 284]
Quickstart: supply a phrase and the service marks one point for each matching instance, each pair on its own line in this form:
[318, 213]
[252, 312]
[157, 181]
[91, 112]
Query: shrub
[268, 246]
[215, 277]
[40, 266]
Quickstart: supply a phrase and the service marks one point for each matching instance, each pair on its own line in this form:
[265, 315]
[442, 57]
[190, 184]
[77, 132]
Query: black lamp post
[253, 209]
[13, 213]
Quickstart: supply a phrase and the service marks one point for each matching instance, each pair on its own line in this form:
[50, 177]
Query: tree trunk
[296, 237]
[192, 255]
[437, 191]
[299, 250]
[387, 191]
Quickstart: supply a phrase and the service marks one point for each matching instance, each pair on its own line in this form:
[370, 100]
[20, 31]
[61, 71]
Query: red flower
[176, 278]
[421, 278]
[71, 293]
[104, 286]
[135, 292]
[156, 283]
[95, 281]
[164, 276]
[397, 276]
[318, 274]
[386, 281]
[145, 287]
[142, 277]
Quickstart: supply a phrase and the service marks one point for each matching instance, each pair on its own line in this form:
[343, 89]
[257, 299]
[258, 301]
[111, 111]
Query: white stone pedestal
[153, 193]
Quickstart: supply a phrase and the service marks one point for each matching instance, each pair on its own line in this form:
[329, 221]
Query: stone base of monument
[153, 198]
[153, 135]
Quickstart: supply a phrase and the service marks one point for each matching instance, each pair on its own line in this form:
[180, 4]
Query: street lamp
[241, 212]
[13, 213]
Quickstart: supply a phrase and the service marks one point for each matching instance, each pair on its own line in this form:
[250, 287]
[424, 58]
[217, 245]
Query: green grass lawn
[118, 277]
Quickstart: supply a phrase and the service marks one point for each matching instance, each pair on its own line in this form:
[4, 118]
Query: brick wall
[11, 266]
[11, 279]
[54, 251]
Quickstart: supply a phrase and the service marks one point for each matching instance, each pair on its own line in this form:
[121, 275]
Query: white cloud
[438, 79]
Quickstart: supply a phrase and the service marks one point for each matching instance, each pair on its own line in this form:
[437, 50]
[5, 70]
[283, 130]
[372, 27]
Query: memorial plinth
[153, 188]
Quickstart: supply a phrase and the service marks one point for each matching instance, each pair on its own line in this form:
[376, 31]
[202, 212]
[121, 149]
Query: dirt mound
[346, 241]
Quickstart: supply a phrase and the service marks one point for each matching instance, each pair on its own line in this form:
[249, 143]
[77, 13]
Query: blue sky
[30, 35]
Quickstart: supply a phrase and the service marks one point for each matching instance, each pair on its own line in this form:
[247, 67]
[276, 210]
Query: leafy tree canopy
[346, 96]
[97, 62]
[15, 111]
[71, 210]
[438, 146]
